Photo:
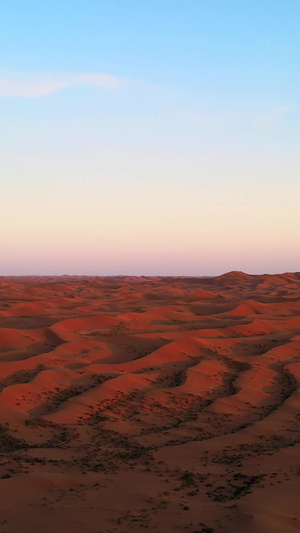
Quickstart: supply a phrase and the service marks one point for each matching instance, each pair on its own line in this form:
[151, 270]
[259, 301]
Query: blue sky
[149, 137]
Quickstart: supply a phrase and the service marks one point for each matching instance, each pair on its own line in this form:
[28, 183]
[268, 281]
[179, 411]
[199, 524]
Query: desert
[159, 403]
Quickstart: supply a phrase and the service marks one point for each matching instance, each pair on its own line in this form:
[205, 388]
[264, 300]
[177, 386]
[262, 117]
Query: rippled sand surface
[169, 404]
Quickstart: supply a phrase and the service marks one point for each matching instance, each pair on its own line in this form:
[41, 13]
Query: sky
[149, 137]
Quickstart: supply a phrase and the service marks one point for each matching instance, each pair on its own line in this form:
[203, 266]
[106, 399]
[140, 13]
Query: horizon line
[144, 275]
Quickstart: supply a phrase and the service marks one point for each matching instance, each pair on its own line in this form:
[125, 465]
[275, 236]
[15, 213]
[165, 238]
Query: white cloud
[34, 86]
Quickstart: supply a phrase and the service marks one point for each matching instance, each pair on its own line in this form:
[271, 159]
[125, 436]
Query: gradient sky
[149, 137]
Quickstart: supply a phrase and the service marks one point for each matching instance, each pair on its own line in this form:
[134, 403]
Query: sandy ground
[169, 404]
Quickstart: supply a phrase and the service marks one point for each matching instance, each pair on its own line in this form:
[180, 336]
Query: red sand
[169, 404]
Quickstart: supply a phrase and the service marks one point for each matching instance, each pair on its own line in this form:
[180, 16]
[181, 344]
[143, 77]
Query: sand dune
[169, 404]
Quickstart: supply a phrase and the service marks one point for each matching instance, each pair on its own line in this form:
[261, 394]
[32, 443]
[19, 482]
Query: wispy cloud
[34, 86]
